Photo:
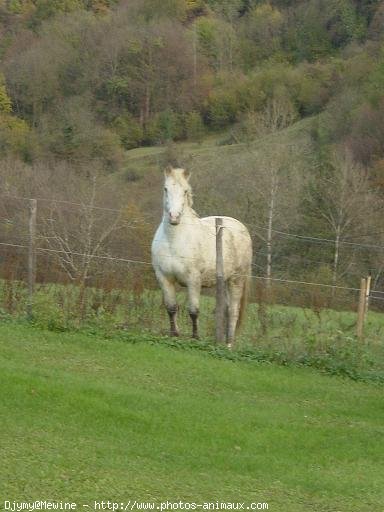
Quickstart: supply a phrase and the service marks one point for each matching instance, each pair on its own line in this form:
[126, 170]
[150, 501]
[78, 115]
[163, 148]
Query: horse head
[177, 194]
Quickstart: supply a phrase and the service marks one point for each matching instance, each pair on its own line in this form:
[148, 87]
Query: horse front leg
[194, 288]
[169, 295]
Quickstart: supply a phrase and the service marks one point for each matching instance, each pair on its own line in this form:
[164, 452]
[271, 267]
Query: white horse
[184, 252]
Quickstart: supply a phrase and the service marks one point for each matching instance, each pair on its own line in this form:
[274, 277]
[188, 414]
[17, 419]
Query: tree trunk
[82, 288]
[271, 211]
[147, 103]
[336, 261]
[194, 56]
[230, 54]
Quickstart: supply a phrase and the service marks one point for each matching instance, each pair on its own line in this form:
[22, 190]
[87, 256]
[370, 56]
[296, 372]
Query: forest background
[277, 108]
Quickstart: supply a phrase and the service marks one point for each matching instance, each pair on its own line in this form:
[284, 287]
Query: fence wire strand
[308, 238]
[147, 263]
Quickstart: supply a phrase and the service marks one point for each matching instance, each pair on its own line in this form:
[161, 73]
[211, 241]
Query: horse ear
[186, 174]
[168, 171]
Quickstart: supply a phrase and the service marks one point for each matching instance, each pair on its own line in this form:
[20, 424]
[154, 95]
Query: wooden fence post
[367, 293]
[31, 255]
[220, 316]
[362, 307]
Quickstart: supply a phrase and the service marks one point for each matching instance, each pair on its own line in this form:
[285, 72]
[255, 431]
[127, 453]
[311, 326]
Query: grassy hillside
[86, 419]
[145, 158]
[223, 169]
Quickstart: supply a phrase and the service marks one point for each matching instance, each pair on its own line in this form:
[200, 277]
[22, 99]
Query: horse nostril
[174, 219]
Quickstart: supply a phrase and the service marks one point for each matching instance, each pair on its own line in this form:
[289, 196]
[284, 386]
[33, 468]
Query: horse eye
[165, 189]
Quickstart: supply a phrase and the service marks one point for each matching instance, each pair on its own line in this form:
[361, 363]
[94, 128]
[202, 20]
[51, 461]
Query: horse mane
[182, 176]
[190, 196]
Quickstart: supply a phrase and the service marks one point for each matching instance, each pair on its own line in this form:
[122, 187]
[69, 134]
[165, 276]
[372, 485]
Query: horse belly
[208, 278]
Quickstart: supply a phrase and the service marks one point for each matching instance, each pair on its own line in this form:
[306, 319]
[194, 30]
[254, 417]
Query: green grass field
[288, 335]
[84, 418]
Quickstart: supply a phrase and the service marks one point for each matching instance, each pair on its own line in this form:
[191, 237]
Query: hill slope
[88, 419]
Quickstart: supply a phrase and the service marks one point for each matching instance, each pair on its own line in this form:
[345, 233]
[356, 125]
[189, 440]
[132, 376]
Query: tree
[277, 181]
[343, 202]
[80, 236]
[5, 100]
[263, 29]
[218, 41]
[14, 132]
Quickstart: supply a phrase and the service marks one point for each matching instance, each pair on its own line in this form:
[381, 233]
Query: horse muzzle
[174, 219]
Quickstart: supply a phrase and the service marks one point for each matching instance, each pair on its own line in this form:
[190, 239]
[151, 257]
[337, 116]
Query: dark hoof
[195, 336]
[175, 334]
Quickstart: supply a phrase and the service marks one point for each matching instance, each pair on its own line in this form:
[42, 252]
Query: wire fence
[93, 262]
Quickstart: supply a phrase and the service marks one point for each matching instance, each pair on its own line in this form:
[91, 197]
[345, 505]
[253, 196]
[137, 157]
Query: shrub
[223, 107]
[15, 136]
[74, 134]
[47, 313]
[194, 127]
[170, 126]
[5, 101]
[129, 131]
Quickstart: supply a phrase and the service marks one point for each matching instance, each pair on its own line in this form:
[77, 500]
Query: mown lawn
[83, 419]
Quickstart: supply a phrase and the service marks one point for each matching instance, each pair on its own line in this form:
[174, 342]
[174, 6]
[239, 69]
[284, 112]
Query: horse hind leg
[195, 324]
[194, 288]
[235, 292]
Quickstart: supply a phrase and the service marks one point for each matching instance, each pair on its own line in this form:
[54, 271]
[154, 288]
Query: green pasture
[288, 335]
[85, 418]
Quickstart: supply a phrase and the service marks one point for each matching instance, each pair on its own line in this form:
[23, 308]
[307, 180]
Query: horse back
[231, 226]
[237, 242]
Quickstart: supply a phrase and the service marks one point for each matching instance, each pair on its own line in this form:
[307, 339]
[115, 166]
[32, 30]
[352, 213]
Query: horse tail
[244, 300]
